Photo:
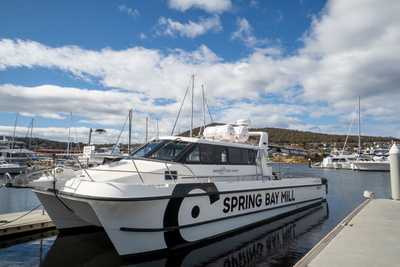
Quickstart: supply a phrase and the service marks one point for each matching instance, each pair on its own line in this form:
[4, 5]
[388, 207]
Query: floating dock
[13, 224]
[369, 236]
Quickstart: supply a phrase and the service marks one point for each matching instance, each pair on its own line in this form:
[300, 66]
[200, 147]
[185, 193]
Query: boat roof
[208, 141]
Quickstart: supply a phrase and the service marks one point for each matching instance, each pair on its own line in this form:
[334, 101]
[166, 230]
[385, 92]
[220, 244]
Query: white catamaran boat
[176, 191]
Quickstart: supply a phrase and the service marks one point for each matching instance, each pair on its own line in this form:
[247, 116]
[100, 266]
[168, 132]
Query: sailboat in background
[343, 160]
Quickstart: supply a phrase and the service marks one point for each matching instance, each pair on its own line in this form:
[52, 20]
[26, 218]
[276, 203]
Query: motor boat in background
[176, 191]
[11, 168]
[341, 161]
[377, 163]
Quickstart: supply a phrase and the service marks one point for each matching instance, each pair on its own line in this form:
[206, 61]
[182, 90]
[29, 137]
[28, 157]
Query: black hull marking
[174, 228]
[206, 241]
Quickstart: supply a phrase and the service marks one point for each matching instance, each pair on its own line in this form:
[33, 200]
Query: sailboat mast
[130, 131]
[359, 126]
[147, 129]
[69, 134]
[31, 134]
[158, 131]
[203, 106]
[191, 119]
[15, 128]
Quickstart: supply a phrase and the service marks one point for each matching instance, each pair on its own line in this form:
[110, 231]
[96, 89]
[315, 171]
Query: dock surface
[32, 222]
[369, 236]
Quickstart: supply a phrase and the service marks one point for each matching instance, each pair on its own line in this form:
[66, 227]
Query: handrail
[84, 169]
[137, 170]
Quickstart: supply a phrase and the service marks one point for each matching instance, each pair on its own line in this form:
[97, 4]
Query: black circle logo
[195, 212]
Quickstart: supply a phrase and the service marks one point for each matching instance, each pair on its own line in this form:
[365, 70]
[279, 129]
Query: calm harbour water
[281, 243]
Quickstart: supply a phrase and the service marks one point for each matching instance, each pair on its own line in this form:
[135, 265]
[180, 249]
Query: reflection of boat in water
[246, 248]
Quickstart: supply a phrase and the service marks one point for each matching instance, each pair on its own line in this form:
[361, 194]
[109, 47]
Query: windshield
[169, 151]
[147, 149]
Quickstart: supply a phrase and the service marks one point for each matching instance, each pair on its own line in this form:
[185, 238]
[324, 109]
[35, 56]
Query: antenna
[191, 119]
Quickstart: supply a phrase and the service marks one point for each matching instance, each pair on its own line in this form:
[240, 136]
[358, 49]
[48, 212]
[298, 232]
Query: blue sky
[293, 64]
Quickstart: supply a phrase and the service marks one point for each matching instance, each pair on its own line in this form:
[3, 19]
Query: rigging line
[208, 109]
[348, 133]
[179, 111]
[120, 133]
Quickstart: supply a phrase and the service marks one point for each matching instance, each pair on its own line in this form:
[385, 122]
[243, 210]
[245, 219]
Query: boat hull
[371, 166]
[193, 212]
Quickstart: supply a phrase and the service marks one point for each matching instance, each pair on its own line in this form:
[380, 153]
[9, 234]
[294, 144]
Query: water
[281, 243]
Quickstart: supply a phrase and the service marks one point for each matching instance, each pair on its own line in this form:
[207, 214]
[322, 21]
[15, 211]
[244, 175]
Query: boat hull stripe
[61, 193]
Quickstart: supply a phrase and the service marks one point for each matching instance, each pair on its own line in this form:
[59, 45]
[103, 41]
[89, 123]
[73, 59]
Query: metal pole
[130, 131]
[69, 134]
[31, 134]
[191, 119]
[359, 126]
[15, 128]
[204, 107]
[147, 129]
[90, 136]
[394, 159]
[158, 131]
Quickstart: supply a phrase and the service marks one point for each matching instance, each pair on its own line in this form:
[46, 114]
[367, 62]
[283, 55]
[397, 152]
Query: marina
[346, 188]
[199, 133]
[374, 223]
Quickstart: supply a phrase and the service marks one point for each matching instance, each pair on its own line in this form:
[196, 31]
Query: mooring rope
[4, 222]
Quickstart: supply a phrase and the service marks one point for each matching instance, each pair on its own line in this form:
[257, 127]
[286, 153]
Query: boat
[11, 168]
[376, 164]
[176, 191]
[341, 161]
[20, 156]
[261, 243]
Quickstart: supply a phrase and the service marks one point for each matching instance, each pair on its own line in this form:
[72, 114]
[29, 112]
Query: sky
[291, 64]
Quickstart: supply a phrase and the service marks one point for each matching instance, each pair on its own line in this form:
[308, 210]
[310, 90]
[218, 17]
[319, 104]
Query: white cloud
[343, 57]
[133, 12]
[211, 6]
[245, 33]
[191, 29]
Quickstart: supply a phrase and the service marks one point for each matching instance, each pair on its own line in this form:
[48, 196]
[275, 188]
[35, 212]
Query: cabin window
[214, 154]
[242, 156]
[169, 151]
[194, 155]
[211, 154]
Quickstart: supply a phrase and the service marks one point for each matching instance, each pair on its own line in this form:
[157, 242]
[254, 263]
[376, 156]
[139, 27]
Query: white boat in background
[20, 156]
[376, 164]
[11, 168]
[338, 161]
[175, 191]
[94, 157]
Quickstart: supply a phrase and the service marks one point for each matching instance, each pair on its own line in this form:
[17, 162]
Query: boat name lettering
[256, 200]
